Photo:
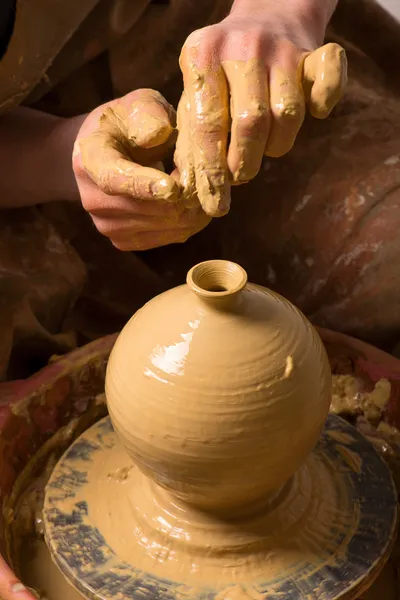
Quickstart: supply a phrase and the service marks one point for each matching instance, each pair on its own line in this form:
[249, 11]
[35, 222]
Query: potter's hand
[247, 81]
[122, 185]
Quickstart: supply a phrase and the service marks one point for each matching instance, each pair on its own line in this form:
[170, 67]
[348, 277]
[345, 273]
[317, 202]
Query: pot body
[207, 389]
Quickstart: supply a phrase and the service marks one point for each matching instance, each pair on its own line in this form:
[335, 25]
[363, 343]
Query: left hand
[117, 162]
[247, 82]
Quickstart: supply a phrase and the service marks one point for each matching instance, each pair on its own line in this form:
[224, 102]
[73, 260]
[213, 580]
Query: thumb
[151, 119]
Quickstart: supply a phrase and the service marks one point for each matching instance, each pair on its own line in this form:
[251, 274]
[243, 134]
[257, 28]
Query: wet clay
[199, 396]
[287, 107]
[119, 154]
[263, 109]
[324, 79]
[308, 520]
[215, 472]
[348, 398]
[183, 155]
[249, 106]
[39, 572]
[206, 113]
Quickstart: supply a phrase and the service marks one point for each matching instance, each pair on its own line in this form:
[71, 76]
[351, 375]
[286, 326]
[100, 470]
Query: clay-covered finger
[207, 91]
[324, 79]
[150, 239]
[287, 110]
[124, 207]
[146, 240]
[183, 157]
[101, 157]
[150, 118]
[250, 115]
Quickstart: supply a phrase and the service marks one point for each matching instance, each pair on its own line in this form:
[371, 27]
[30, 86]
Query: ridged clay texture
[218, 389]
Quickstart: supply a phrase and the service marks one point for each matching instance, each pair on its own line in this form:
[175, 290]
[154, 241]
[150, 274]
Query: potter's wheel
[325, 535]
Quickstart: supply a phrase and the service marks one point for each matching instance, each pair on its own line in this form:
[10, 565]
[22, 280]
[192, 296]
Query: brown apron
[320, 225]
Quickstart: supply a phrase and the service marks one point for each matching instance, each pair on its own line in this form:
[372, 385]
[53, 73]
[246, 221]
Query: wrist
[60, 147]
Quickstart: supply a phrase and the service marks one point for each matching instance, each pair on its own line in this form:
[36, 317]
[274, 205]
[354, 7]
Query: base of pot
[327, 534]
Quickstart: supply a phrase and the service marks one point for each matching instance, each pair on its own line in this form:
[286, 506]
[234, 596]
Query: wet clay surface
[221, 384]
[51, 584]
[208, 164]
[96, 498]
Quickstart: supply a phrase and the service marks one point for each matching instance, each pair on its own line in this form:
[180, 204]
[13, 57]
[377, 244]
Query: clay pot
[212, 377]
[31, 411]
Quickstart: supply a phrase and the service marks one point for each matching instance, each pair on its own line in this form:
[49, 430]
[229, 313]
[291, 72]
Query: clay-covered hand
[247, 83]
[121, 181]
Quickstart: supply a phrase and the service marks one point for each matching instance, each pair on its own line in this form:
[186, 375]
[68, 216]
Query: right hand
[121, 181]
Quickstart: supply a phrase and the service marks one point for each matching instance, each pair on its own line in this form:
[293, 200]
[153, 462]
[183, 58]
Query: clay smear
[118, 153]
[207, 107]
[263, 110]
[249, 109]
[324, 79]
[308, 520]
[40, 573]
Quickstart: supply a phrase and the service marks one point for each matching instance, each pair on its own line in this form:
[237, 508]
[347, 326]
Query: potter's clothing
[319, 225]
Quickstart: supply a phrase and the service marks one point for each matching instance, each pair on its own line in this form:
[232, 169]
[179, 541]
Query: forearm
[36, 158]
[317, 13]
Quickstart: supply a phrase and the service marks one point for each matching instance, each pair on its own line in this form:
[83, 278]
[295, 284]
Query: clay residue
[287, 110]
[308, 520]
[114, 154]
[249, 108]
[352, 459]
[324, 79]
[36, 563]
[183, 156]
[263, 110]
[203, 146]
[349, 398]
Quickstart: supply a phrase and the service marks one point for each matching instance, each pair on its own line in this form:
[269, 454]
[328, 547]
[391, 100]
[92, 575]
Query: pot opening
[217, 288]
[217, 278]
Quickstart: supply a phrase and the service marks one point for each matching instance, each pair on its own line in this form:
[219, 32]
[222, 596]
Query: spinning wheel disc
[325, 536]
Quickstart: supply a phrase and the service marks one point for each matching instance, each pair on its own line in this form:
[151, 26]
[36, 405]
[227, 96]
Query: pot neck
[217, 282]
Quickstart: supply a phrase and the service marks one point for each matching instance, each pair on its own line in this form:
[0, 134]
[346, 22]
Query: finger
[324, 79]
[207, 91]
[248, 85]
[287, 108]
[183, 157]
[126, 228]
[102, 205]
[101, 157]
[151, 119]
[122, 226]
[145, 240]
